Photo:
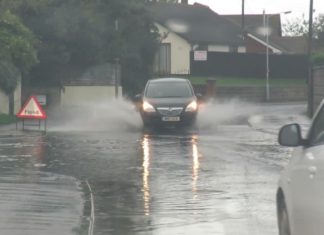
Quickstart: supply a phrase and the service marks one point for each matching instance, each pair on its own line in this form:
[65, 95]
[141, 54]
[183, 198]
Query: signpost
[32, 110]
[200, 55]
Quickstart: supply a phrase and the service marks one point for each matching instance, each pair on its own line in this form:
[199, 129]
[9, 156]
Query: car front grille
[170, 111]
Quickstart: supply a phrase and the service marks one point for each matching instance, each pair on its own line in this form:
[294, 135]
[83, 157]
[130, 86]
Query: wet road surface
[33, 201]
[219, 179]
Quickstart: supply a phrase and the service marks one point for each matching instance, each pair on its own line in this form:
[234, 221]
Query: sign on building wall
[200, 55]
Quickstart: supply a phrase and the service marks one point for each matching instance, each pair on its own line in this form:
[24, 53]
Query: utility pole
[267, 32]
[243, 18]
[310, 82]
[116, 66]
[117, 76]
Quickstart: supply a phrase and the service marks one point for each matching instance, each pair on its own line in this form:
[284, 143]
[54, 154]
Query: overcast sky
[298, 7]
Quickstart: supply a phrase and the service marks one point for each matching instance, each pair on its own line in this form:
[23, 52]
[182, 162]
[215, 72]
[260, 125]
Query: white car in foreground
[300, 195]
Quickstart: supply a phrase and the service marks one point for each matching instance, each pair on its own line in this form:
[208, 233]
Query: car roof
[168, 80]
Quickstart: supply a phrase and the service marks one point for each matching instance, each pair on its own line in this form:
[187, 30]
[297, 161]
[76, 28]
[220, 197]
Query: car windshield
[168, 89]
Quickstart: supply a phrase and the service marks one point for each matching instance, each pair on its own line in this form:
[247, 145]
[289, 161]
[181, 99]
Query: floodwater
[97, 172]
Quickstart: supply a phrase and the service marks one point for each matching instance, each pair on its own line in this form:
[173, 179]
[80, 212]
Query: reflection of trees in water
[31, 198]
[116, 207]
[123, 181]
[112, 172]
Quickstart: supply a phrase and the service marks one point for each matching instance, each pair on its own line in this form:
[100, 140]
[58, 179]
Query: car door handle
[312, 170]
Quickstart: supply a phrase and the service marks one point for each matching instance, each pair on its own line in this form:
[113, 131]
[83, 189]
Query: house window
[162, 65]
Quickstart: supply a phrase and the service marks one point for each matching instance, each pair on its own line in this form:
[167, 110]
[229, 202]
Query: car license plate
[171, 119]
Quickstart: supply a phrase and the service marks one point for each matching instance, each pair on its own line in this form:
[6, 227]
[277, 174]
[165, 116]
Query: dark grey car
[168, 102]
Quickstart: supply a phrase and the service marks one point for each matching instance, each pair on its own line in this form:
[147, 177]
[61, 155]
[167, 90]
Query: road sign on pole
[32, 110]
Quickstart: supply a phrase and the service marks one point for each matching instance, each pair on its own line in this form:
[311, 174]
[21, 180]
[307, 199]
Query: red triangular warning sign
[32, 109]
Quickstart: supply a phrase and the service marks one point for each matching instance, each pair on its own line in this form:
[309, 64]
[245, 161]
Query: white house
[184, 28]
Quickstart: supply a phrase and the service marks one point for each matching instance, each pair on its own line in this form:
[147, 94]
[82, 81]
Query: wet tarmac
[33, 201]
[92, 177]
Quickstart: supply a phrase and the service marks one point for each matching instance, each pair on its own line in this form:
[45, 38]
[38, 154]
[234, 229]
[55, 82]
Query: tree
[299, 26]
[18, 53]
[78, 34]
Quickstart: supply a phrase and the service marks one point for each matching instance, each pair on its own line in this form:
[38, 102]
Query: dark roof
[292, 45]
[288, 45]
[253, 23]
[199, 24]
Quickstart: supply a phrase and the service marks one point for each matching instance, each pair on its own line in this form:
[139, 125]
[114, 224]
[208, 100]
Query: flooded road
[219, 179]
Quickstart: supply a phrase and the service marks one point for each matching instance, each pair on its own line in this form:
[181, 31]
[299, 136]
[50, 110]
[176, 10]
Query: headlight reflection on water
[146, 168]
[195, 165]
[146, 173]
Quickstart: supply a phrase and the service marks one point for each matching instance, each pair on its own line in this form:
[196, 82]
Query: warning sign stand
[32, 110]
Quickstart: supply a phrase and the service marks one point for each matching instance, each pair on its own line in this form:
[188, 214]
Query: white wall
[180, 51]
[218, 48]
[242, 49]
[4, 101]
[80, 95]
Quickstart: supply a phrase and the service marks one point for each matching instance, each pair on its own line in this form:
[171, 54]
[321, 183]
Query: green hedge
[7, 119]
[232, 81]
[318, 58]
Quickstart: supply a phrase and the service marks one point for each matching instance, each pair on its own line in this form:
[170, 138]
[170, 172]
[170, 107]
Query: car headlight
[147, 107]
[192, 107]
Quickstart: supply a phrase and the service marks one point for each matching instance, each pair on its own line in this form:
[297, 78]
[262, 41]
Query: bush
[318, 58]
[7, 119]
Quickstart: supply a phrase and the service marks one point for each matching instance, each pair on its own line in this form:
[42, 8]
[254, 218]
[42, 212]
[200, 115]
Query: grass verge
[7, 119]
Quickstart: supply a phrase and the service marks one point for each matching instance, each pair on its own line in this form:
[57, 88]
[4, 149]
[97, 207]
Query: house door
[162, 65]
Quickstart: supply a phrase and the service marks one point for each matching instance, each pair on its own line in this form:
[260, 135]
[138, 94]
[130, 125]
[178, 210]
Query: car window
[168, 89]
[316, 135]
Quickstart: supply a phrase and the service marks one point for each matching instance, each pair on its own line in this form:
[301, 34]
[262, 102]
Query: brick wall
[252, 46]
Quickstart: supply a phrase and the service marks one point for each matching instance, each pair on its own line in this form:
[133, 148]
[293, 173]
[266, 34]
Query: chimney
[184, 2]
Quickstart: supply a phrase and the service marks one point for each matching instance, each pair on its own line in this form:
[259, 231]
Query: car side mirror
[290, 135]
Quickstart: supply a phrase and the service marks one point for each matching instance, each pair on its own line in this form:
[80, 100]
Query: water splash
[120, 115]
[233, 111]
[113, 115]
